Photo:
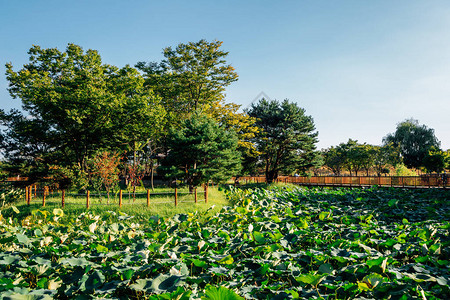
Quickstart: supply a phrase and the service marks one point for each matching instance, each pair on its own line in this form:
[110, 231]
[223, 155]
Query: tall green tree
[384, 157]
[287, 137]
[228, 116]
[190, 76]
[74, 105]
[358, 156]
[200, 151]
[334, 159]
[414, 141]
[350, 155]
[435, 160]
[369, 152]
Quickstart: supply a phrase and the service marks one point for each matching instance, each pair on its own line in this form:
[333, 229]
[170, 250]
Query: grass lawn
[161, 203]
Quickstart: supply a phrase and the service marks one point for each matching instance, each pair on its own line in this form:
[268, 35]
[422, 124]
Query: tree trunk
[271, 176]
[151, 175]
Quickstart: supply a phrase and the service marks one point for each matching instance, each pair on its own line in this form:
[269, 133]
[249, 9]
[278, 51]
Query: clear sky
[357, 67]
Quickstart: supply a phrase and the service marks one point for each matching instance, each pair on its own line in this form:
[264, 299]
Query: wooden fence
[42, 194]
[358, 181]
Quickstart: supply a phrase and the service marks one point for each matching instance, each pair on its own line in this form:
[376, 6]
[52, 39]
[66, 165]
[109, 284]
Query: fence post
[148, 198]
[120, 198]
[176, 197]
[444, 180]
[35, 191]
[206, 192]
[27, 199]
[43, 196]
[63, 200]
[30, 193]
[87, 199]
[195, 195]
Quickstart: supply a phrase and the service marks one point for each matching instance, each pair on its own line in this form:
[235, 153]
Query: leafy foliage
[243, 125]
[200, 151]
[287, 137]
[191, 75]
[72, 102]
[104, 170]
[281, 243]
[435, 160]
[353, 157]
[414, 141]
[9, 196]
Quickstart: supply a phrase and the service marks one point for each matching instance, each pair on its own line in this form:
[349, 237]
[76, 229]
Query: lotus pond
[277, 243]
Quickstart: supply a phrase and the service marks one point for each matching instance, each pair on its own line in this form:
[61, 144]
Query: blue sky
[357, 67]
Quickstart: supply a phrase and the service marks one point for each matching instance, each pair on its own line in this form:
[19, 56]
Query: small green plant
[402, 170]
[9, 196]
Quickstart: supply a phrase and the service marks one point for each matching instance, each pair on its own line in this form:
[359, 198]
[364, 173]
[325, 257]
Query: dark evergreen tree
[200, 151]
[286, 141]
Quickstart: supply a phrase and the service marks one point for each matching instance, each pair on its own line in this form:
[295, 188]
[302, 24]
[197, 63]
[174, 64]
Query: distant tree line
[412, 144]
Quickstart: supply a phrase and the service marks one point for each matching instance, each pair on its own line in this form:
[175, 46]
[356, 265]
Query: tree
[435, 160]
[359, 156]
[286, 139]
[104, 170]
[351, 156]
[447, 160]
[384, 157]
[139, 115]
[200, 151]
[414, 141]
[354, 156]
[190, 76]
[368, 153]
[243, 125]
[26, 145]
[72, 103]
[334, 159]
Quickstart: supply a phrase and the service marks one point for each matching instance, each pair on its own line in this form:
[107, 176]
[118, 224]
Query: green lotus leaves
[220, 293]
[259, 237]
[270, 244]
[312, 279]
[22, 239]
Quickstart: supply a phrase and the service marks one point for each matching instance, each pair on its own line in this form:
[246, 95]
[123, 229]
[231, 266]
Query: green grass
[161, 203]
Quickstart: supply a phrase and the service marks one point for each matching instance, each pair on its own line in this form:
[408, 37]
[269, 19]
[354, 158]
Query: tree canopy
[74, 105]
[435, 160]
[414, 141]
[287, 137]
[201, 150]
[190, 76]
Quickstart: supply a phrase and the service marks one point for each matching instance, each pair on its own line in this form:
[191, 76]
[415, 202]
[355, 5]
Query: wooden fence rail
[357, 181]
[37, 193]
